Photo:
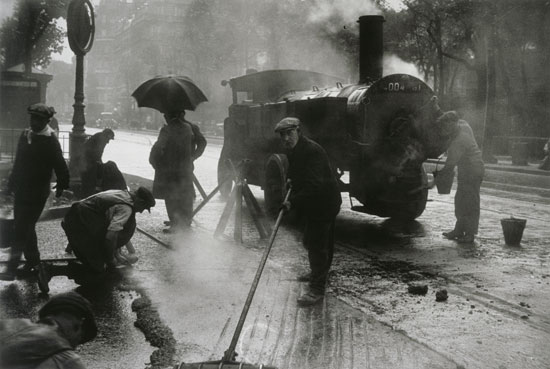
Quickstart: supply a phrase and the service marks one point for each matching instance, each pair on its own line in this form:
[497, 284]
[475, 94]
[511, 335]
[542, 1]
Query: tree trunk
[490, 125]
[528, 123]
[515, 104]
[440, 60]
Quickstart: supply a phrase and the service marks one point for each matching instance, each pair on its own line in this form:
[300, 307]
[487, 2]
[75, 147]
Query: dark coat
[315, 192]
[179, 143]
[94, 148]
[32, 170]
[464, 153]
[27, 345]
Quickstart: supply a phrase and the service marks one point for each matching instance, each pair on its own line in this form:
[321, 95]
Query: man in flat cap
[316, 197]
[65, 321]
[97, 227]
[464, 154]
[38, 154]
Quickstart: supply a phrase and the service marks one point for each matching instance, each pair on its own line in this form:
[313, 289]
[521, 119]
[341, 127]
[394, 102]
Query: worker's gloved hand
[58, 190]
[288, 184]
[286, 206]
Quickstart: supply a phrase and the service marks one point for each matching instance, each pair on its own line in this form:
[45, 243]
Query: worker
[38, 155]
[93, 161]
[463, 153]
[179, 144]
[316, 197]
[96, 228]
[65, 321]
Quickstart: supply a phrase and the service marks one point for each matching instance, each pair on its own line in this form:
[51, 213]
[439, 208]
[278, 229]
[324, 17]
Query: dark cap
[448, 122]
[109, 133]
[75, 304]
[146, 196]
[41, 110]
[287, 123]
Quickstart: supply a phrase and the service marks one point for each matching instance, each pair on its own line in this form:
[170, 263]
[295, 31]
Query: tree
[31, 34]
[522, 49]
[504, 44]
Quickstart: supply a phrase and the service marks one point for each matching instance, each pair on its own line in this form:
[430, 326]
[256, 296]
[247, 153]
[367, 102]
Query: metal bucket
[513, 230]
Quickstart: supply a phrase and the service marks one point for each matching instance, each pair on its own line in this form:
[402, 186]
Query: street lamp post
[80, 31]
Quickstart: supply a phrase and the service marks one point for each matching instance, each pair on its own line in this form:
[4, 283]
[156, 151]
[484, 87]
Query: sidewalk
[508, 177]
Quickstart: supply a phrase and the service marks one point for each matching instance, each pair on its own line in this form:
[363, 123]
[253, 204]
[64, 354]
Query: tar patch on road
[358, 276]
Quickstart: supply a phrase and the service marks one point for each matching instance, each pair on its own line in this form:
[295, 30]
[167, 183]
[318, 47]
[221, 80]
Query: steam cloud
[394, 64]
[348, 10]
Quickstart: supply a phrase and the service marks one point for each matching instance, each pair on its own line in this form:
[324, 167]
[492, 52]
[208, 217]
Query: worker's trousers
[467, 205]
[26, 214]
[319, 243]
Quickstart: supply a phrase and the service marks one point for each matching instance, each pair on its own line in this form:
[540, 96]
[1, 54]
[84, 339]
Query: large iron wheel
[275, 183]
[415, 202]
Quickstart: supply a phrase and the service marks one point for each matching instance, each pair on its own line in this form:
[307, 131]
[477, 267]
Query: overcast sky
[6, 8]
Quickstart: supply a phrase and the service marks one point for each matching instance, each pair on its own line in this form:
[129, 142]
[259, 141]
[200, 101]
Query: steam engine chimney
[371, 47]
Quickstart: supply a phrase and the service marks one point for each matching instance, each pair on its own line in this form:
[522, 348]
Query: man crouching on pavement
[316, 197]
[65, 321]
[97, 227]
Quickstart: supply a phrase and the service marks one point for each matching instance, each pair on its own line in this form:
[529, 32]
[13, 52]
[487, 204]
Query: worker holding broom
[316, 197]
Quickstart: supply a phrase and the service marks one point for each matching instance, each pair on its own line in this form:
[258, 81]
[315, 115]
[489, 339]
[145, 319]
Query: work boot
[26, 270]
[310, 298]
[452, 235]
[27, 267]
[125, 259]
[467, 238]
[306, 277]
[43, 277]
[69, 249]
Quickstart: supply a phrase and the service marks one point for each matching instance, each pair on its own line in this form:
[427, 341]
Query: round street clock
[80, 26]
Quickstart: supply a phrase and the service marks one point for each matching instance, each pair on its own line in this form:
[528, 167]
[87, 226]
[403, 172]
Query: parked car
[107, 121]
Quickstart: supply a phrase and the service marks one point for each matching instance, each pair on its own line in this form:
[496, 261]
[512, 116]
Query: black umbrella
[169, 94]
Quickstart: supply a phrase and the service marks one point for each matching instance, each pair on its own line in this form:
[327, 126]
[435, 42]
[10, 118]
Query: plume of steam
[394, 64]
[348, 10]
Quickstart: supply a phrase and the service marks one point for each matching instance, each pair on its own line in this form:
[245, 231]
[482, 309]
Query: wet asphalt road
[497, 314]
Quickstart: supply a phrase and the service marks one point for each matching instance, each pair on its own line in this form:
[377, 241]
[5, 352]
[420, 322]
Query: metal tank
[377, 133]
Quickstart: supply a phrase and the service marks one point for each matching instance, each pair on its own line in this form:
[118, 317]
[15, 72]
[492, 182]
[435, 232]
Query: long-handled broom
[228, 360]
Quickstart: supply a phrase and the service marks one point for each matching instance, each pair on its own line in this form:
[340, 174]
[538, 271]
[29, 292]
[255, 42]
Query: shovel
[228, 360]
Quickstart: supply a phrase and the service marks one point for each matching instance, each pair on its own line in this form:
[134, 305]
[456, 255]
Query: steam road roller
[377, 133]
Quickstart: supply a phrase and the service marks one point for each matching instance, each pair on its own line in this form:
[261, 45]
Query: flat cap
[109, 133]
[147, 196]
[41, 110]
[287, 123]
[74, 304]
[448, 122]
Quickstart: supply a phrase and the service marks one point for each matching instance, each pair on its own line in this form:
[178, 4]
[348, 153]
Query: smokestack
[371, 47]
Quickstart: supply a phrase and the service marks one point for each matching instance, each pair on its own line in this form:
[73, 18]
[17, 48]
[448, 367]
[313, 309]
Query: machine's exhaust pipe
[371, 48]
